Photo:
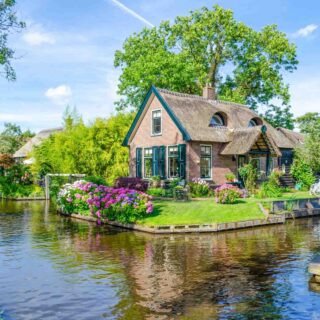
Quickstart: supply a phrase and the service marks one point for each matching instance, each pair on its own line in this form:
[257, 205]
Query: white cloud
[37, 38]
[306, 31]
[132, 13]
[59, 94]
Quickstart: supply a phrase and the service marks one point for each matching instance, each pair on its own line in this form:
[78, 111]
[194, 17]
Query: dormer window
[217, 120]
[156, 122]
[254, 122]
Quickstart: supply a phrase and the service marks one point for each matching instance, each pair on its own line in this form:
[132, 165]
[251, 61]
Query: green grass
[207, 211]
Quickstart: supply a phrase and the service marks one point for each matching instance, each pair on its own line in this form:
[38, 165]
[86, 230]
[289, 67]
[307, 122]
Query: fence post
[46, 184]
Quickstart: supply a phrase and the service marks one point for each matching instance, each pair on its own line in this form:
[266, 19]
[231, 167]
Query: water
[53, 267]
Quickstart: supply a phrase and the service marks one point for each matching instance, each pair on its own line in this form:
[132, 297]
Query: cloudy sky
[65, 56]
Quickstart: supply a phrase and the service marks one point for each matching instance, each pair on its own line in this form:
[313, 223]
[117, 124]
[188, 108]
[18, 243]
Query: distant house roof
[193, 114]
[24, 151]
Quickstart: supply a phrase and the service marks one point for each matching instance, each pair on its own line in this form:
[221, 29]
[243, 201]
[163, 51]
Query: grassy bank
[207, 211]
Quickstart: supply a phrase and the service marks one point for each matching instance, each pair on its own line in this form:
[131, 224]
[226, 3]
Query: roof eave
[153, 90]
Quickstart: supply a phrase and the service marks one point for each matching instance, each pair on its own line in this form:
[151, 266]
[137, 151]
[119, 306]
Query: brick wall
[143, 137]
[221, 165]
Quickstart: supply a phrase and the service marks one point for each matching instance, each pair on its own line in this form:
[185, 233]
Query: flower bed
[229, 194]
[107, 203]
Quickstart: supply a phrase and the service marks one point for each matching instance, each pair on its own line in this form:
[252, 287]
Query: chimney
[209, 92]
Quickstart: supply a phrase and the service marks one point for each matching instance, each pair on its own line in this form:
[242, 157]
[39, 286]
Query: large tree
[8, 23]
[208, 47]
[12, 138]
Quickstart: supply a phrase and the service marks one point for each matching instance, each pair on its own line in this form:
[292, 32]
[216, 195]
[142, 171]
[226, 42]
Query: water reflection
[54, 267]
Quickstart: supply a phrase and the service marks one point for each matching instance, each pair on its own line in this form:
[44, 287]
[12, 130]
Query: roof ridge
[195, 96]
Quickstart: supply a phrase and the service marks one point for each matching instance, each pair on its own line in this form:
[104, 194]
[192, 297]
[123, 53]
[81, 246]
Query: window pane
[173, 152]
[173, 167]
[205, 168]
[205, 151]
[148, 153]
[148, 168]
[156, 122]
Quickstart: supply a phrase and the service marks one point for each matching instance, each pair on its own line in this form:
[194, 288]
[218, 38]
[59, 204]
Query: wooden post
[46, 185]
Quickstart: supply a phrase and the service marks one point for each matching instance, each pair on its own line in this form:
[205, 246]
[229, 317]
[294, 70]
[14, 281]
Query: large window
[147, 162]
[205, 162]
[156, 122]
[173, 162]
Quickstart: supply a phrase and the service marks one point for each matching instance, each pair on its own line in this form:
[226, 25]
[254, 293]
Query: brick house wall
[143, 137]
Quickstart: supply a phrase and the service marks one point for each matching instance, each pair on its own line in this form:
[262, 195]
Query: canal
[53, 267]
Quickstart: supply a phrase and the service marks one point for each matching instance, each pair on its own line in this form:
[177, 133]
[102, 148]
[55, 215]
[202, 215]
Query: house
[176, 135]
[23, 153]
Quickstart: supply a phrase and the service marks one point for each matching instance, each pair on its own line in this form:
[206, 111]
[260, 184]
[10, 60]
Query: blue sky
[65, 56]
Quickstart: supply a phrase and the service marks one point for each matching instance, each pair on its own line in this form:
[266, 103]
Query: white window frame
[152, 133]
[168, 163]
[211, 162]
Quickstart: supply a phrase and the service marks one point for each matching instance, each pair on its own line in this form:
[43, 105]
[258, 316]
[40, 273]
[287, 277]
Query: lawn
[207, 211]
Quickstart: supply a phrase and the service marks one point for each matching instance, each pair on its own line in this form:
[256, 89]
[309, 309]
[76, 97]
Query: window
[255, 122]
[173, 162]
[217, 120]
[256, 164]
[148, 162]
[156, 122]
[205, 162]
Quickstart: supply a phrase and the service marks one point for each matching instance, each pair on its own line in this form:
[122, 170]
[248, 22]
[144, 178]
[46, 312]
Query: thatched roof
[192, 115]
[243, 140]
[24, 151]
[195, 113]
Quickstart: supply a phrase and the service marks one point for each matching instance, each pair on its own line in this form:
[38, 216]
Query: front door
[286, 159]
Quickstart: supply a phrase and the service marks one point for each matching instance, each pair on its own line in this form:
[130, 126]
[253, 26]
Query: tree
[95, 149]
[279, 117]
[12, 138]
[199, 49]
[308, 122]
[8, 23]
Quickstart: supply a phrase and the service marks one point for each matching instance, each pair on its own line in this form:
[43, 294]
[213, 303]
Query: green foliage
[156, 180]
[249, 175]
[230, 177]
[9, 23]
[302, 172]
[280, 117]
[95, 149]
[96, 180]
[199, 49]
[228, 194]
[13, 138]
[17, 181]
[272, 187]
[199, 188]
[156, 192]
[308, 121]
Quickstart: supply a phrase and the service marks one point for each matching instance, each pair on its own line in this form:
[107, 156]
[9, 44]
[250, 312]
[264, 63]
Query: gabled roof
[244, 139]
[192, 115]
[24, 151]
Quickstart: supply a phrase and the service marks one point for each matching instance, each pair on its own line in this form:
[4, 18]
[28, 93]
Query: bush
[199, 188]
[107, 203]
[230, 177]
[272, 187]
[302, 173]
[156, 192]
[249, 175]
[228, 194]
[132, 183]
[96, 180]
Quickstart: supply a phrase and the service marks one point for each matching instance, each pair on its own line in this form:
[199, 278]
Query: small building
[177, 135]
[23, 153]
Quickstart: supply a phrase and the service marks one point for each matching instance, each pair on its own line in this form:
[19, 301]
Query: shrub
[155, 181]
[107, 203]
[272, 187]
[249, 175]
[228, 194]
[96, 179]
[199, 188]
[302, 173]
[230, 177]
[156, 192]
[132, 183]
